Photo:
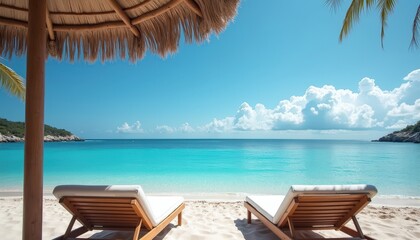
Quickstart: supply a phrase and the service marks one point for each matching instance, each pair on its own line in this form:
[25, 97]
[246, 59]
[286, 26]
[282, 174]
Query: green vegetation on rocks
[412, 128]
[15, 131]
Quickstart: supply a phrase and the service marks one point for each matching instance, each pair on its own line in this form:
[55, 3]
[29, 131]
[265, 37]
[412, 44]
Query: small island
[409, 134]
[14, 132]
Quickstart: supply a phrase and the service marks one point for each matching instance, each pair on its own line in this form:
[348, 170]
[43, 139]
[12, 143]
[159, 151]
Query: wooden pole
[116, 6]
[34, 122]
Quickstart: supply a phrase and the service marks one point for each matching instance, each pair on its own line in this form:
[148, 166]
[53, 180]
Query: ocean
[221, 166]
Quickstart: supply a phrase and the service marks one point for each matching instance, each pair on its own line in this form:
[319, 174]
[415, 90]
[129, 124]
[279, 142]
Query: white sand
[215, 219]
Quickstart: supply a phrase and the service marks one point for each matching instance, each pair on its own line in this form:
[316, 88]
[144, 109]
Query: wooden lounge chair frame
[112, 213]
[317, 212]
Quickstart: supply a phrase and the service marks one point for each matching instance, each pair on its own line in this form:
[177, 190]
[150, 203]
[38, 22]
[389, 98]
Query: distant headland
[409, 134]
[14, 132]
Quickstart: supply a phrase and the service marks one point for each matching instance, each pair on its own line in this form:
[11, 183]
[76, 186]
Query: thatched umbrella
[91, 29]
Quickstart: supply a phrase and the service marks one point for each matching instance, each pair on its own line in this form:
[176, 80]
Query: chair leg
[249, 217]
[70, 227]
[137, 231]
[356, 224]
[291, 227]
[180, 219]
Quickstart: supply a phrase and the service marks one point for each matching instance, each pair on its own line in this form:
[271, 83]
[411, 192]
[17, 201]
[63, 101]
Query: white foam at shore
[380, 200]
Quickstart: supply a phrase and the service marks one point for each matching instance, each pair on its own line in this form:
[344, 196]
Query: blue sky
[275, 72]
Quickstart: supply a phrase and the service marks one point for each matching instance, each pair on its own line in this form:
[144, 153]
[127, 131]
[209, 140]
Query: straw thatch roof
[105, 29]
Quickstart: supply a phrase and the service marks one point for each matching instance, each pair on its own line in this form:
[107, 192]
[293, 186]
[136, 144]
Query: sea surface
[221, 166]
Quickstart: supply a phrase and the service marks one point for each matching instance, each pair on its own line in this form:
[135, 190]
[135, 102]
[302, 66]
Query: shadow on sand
[128, 235]
[258, 231]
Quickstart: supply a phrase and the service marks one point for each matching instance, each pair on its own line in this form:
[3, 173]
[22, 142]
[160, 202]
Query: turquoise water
[198, 166]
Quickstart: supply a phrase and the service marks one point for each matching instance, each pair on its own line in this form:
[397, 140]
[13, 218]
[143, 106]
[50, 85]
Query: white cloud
[406, 111]
[247, 118]
[323, 108]
[398, 125]
[127, 128]
[219, 126]
[186, 128]
[413, 76]
[165, 129]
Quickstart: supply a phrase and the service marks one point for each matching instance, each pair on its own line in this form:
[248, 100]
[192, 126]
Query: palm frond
[369, 4]
[333, 4]
[386, 7]
[352, 16]
[416, 23]
[12, 82]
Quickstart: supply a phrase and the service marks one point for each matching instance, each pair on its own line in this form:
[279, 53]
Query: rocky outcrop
[11, 131]
[12, 138]
[409, 134]
[48, 138]
[401, 137]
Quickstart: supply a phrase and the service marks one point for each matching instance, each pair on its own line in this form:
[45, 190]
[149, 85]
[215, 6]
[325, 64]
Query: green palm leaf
[416, 23]
[334, 4]
[12, 82]
[352, 14]
[386, 7]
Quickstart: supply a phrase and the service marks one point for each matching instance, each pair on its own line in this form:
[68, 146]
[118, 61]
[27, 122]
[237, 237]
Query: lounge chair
[117, 207]
[311, 207]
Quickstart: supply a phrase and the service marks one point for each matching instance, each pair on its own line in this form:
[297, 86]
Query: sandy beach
[217, 218]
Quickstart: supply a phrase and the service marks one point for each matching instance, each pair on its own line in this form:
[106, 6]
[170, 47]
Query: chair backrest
[106, 207]
[323, 206]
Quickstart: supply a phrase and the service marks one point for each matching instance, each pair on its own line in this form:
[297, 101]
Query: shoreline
[378, 200]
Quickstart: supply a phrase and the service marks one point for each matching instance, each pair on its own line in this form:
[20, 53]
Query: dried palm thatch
[105, 29]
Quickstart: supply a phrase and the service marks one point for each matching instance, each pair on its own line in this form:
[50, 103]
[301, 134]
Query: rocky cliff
[47, 138]
[409, 134]
[14, 132]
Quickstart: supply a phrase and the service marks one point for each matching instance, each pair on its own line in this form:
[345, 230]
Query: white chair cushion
[162, 206]
[296, 190]
[155, 209]
[266, 205]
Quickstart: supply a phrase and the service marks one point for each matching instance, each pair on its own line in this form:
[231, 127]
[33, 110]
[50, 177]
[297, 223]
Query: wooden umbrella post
[34, 122]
